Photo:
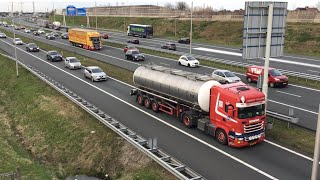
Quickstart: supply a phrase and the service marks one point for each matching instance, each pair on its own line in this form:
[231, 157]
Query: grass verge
[280, 133]
[49, 137]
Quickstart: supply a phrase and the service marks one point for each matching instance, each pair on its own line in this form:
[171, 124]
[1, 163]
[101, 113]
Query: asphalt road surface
[192, 147]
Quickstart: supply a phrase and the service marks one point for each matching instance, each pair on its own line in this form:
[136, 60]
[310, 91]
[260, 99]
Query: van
[276, 78]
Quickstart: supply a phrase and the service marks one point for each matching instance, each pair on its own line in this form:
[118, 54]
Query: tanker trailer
[233, 113]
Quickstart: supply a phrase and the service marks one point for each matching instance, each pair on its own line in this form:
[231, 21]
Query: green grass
[49, 137]
[280, 133]
[300, 38]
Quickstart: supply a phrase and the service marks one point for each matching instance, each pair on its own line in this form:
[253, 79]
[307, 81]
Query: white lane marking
[293, 106]
[270, 142]
[160, 120]
[288, 93]
[314, 71]
[289, 150]
[308, 59]
[271, 59]
[303, 87]
[212, 68]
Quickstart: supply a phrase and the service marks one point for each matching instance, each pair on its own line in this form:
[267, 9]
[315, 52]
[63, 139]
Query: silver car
[3, 35]
[17, 41]
[95, 73]
[228, 75]
[72, 63]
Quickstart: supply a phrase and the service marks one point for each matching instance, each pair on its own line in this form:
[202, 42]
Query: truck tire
[155, 106]
[147, 102]
[221, 136]
[188, 119]
[140, 99]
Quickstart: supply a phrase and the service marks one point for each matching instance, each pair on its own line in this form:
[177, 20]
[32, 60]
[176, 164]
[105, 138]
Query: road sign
[255, 29]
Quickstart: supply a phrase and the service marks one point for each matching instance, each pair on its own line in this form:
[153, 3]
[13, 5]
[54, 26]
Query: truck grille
[253, 127]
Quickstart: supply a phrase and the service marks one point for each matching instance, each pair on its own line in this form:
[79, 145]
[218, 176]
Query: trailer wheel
[140, 99]
[155, 106]
[221, 136]
[147, 103]
[188, 120]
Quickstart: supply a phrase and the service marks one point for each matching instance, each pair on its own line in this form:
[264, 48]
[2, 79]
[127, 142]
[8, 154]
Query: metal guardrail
[178, 169]
[283, 117]
[229, 62]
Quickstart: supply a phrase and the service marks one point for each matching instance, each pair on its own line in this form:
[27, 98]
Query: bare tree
[318, 5]
[182, 6]
[169, 5]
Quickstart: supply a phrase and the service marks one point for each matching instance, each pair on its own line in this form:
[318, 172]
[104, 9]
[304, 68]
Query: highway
[303, 64]
[194, 148]
[303, 100]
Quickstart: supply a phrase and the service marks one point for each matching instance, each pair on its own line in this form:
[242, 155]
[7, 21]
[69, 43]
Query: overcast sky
[59, 4]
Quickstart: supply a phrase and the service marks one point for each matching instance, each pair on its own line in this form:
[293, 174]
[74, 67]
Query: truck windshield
[95, 40]
[274, 72]
[250, 112]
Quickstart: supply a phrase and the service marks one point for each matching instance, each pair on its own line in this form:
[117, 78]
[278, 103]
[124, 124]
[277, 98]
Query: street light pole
[316, 151]
[267, 55]
[95, 12]
[15, 46]
[191, 28]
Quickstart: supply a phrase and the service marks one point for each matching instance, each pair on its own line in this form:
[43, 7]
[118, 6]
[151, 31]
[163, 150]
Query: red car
[276, 78]
[126, 48]
[105, 36]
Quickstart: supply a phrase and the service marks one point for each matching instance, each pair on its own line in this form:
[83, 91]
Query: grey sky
[59, 4]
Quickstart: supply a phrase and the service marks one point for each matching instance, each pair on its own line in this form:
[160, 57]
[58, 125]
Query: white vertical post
[64, 19]
[191, 28]
[316, 151]
[15, 46]
[95, 12]
[54, 12]
[267, 55]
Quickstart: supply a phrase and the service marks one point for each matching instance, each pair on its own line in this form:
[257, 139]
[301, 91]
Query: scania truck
[234, 114]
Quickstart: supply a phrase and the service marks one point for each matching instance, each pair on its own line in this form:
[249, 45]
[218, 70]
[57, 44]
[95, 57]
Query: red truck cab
[276, 78]
[238, 113]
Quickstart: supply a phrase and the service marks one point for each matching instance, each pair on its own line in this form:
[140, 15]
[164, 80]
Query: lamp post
[191, 28]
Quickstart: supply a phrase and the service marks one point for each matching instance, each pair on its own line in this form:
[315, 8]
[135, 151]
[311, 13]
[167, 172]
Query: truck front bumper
[246, 139]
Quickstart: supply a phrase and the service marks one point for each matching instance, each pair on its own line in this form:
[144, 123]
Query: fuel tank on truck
[183, 86]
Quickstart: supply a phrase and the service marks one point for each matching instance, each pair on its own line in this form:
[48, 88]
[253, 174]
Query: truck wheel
[221, 136]
[249, 79]
[147, 103]
[155, 106]
[188, 120]
[272, 85]
[140, 99]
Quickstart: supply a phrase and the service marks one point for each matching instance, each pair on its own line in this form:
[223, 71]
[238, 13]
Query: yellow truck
[85, 38]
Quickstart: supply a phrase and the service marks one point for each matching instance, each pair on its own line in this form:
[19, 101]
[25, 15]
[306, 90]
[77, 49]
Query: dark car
[105, 36]
[134, 55]
[50, 36]
[36, 33]
[133, 41]
[65, 36]
[22, 27]
[32, 30]
[184, 41]
[54, 56]
[32, 47]
[170, 46]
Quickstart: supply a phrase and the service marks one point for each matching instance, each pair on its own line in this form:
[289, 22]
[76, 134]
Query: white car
[95, 73]
[2, 35]
[27, 31]
[228, 75]
[187, 60]
[41, 31]
[17, 41]
[72, 63]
